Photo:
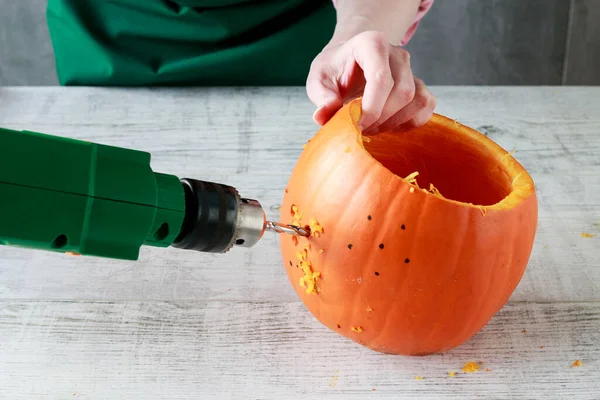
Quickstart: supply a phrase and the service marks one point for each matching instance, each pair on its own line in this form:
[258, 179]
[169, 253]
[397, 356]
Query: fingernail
[362, 125]
[316, 112]
[374, 130]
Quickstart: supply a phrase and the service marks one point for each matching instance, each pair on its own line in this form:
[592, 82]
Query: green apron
[187, 42]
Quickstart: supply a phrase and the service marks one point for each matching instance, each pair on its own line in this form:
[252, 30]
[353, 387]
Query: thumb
[325, 95]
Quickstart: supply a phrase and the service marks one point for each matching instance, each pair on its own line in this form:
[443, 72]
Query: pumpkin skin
[400, 269]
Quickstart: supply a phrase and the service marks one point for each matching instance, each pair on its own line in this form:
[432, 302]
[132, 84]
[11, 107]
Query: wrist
[347, 28]
[392, 18]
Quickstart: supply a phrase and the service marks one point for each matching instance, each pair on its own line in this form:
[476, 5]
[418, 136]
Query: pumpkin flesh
[400, 268]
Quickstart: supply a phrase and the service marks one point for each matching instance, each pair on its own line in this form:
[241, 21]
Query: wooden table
[185, 325]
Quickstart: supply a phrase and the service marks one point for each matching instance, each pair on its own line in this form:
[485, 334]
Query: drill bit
[285, 228]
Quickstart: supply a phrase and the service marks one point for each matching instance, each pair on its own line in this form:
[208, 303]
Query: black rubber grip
[211, 211]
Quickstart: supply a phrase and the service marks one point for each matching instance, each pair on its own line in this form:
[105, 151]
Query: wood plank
[224, 135]
[583, 49]
[493, 42]
[230, 326]
[234, 132]
[563, 267]
[142, 350]
[280, 118]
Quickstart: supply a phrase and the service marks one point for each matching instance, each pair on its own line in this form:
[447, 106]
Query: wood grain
[181, 325]
[250, 138]
[275, 350]
[563, 267]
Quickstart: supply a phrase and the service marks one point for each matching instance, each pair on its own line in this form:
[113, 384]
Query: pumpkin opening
[462, 170]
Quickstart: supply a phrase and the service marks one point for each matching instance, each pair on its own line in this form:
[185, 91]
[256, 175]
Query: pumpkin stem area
[461, 167]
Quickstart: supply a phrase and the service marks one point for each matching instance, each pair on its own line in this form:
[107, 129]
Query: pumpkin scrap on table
[470, 366]
[419, 225]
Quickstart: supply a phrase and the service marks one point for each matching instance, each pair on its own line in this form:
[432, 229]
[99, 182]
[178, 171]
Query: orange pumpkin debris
[435, 287]
[470, 366]
[315, 228]
[297, 215]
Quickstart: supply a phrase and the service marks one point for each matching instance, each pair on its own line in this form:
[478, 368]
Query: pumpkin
[416, 238]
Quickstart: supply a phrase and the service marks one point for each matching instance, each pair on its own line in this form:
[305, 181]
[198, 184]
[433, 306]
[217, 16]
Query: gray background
[460, 42]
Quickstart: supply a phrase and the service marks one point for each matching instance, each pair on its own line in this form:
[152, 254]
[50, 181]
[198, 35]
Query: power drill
[83, 198]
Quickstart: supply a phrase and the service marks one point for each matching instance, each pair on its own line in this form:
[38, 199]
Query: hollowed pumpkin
[399, 262]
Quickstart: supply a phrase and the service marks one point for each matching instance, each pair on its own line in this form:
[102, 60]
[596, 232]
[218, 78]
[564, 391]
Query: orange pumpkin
[417, 238]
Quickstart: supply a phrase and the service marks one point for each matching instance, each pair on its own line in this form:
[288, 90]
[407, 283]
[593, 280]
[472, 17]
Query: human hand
[368, 65]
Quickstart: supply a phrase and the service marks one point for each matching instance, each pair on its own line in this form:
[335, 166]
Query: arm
[393, 18]
[364, 58]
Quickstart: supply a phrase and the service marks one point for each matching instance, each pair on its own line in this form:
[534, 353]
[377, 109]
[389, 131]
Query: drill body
[72, 196]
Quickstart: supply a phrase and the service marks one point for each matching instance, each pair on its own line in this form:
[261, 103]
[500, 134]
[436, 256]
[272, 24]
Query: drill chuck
[217, 218]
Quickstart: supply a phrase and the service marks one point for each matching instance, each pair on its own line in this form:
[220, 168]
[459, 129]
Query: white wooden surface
[183, 325]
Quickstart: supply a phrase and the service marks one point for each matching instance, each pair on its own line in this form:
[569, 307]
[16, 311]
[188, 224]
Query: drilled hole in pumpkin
[462, 170]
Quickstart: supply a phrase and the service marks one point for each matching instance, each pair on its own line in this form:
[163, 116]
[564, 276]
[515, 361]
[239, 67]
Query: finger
[372, 55]
[404, 89]
[324, 93]
[420, 119]
[420, 109]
